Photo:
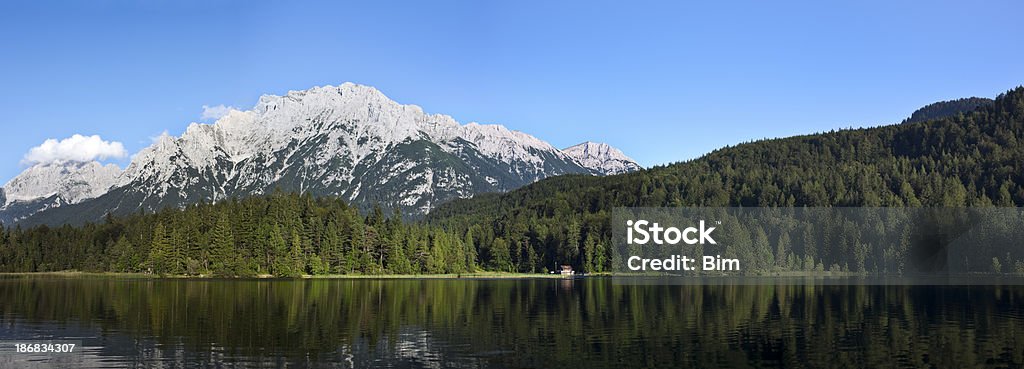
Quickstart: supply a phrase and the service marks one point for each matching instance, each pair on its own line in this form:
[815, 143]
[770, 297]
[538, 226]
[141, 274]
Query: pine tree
[500, 259]
[590, 253]
[281, 265]
[176, 252]
[1004, 198]
[398, 261]
[295, 258]
[332, 254]
[121, 256]
[438, 250]
[159, 251]
[224, 258]
[600, 257]
[571, 248]
[471, 254]
[782, 249]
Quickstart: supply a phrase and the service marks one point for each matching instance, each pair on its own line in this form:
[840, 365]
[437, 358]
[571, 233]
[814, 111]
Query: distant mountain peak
[601, 157]
[71, 180]
[48, 185]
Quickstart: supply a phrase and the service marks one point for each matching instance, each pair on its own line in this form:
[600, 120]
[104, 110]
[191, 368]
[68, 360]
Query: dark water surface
[584, 323]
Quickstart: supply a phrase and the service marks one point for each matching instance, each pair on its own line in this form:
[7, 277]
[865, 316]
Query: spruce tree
[224, 259]
[295, 259]
[281, 265]
[471, 253]
[159, 251]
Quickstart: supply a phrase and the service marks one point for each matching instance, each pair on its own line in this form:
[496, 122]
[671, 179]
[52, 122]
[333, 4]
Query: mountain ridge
[349, 141]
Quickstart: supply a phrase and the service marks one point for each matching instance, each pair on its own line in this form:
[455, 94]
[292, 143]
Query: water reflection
[514, 323]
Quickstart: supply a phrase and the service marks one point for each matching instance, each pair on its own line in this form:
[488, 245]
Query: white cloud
[74, 148]
[215, 112]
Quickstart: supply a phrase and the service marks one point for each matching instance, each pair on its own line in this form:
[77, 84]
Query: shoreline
[781, 276]
[115, 275]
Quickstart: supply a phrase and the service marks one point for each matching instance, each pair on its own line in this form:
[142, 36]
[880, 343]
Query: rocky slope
[49, 185]
[349, 141]
[601, 157]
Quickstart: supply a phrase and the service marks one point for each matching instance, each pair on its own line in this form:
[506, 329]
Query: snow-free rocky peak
[602, 158]
[349, 141]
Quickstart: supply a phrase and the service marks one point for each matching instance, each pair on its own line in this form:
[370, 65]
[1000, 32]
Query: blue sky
[662, 81]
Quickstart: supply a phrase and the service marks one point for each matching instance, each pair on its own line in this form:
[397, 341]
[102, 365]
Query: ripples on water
[590, 323]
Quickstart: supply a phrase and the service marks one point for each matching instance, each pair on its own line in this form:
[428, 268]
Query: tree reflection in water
[516, 323]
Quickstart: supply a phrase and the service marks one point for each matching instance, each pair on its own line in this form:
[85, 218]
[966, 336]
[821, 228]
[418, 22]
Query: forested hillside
[974, 159]
[943, 109]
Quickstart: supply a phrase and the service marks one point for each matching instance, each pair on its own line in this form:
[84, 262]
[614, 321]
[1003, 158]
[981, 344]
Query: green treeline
[280, 234]
[968, 159]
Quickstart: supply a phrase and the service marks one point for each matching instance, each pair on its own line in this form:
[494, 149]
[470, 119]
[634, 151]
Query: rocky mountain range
[348, 141]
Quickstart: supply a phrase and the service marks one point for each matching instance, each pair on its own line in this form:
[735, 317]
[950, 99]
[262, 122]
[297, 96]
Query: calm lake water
[585, 323]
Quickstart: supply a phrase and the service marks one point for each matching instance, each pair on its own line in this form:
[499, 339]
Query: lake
[513, 323]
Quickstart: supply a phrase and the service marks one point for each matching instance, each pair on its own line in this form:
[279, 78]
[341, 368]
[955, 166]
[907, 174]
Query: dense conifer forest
[970, 158]
[280, 234]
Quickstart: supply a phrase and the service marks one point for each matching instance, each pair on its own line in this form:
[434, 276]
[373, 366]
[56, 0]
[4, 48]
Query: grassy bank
[75, 273]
